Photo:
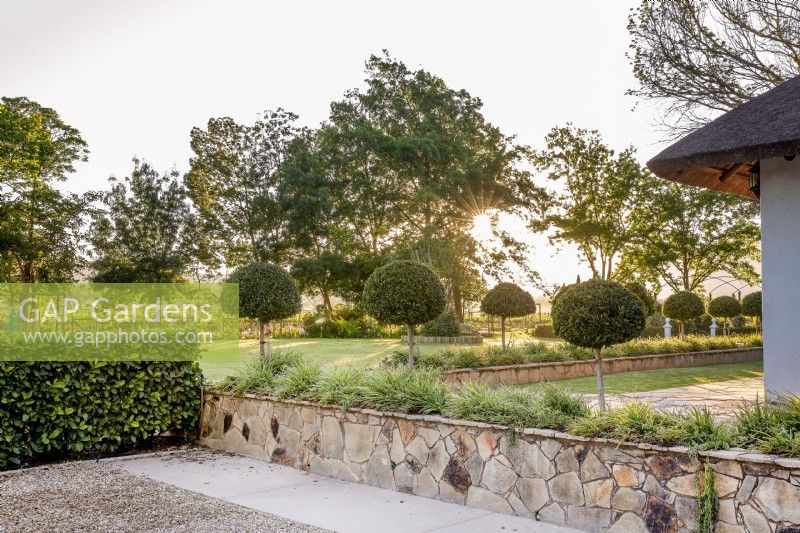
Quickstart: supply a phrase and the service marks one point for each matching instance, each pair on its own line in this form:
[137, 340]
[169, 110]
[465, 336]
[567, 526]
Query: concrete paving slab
[323, 502]
[216, 474]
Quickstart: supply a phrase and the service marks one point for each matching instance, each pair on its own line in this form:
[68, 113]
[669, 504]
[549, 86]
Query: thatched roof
[720, 154]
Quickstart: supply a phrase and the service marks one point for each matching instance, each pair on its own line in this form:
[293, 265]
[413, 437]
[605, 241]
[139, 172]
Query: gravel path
[89, 496]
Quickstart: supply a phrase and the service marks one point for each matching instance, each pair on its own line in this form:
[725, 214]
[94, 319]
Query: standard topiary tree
[683, 306]
[724, 307]
[649, 303]
[507, 300]
[266, 293]
[596, 314]
[404, 292]
[751, 306]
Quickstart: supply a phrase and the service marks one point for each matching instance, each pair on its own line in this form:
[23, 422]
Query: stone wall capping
[595, 484]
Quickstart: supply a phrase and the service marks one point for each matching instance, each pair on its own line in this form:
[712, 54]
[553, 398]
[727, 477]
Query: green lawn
[354, 352]
[661, 379]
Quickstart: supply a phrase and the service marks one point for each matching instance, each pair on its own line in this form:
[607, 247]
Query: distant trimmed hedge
[50, 410]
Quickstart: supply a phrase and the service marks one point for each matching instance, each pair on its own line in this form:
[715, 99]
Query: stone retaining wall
[535, 372]
[461, 339]
[590, 484]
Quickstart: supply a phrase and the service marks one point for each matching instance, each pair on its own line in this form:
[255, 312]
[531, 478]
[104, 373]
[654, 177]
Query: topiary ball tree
[266, 293]
[724, 307]
[683, 306]
[507, 300]
[596, 314]
[404, 292]
[649, 303]
[751, 306]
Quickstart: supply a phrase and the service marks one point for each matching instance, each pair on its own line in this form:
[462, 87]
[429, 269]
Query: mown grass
[649, 380]
[771, 428]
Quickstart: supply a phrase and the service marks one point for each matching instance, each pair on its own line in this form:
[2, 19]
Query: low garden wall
[536, 372]
[461, 339]
[590, 484]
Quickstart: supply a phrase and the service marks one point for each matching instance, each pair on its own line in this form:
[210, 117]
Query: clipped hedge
[50, 410]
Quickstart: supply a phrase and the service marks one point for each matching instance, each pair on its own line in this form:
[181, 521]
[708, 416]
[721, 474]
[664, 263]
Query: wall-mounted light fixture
[755, 179]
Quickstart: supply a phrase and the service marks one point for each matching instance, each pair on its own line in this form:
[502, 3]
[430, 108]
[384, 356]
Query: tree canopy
[699, 58]
[41, 228]
[600, 191]
[144, 231]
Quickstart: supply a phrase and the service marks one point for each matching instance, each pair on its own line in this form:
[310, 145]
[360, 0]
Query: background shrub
[51, 410]
[683, 306]
[544, 331]
[445, 325]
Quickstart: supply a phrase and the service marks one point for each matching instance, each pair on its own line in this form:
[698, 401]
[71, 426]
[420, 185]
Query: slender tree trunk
[680, 329]
[458, 304]
[410, 334]
[261, 341]
[598, 371]
[503, 331]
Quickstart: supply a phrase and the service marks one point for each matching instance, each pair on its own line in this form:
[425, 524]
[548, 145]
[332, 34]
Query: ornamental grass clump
[406, 391]
[552, 408]
[596, 314]
[343, 386]
[297, 382]
[770, 427]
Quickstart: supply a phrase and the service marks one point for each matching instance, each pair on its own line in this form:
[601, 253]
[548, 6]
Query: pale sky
[135, 76]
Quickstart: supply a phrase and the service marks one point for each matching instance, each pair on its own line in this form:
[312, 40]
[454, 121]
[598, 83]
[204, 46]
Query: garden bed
[554, 371]
[591, 484]
[461, 339]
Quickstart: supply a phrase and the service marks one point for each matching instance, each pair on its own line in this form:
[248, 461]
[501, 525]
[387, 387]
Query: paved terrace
[722, 398]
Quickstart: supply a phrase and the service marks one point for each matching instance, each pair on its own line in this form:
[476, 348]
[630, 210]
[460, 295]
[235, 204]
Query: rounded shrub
[683, 306]
[507, 300]
[266, 293]
[724, 307]
[596, 314]
[649, 303]
[404, 292]
[751, 305]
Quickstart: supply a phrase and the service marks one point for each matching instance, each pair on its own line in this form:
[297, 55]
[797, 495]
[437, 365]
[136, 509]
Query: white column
[780, 270]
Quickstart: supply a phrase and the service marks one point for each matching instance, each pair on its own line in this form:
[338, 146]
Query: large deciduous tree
[40, 226]
[703, 57]
[598, 194]
[687, 234]
[144, 231]
[234, 180]
[419, 162]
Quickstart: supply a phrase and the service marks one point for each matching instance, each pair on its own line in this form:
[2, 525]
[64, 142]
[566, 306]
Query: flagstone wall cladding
[535, 372]
[589, 484]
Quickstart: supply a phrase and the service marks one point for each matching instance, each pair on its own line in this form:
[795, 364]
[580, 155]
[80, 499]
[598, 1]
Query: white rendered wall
[780, 270]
